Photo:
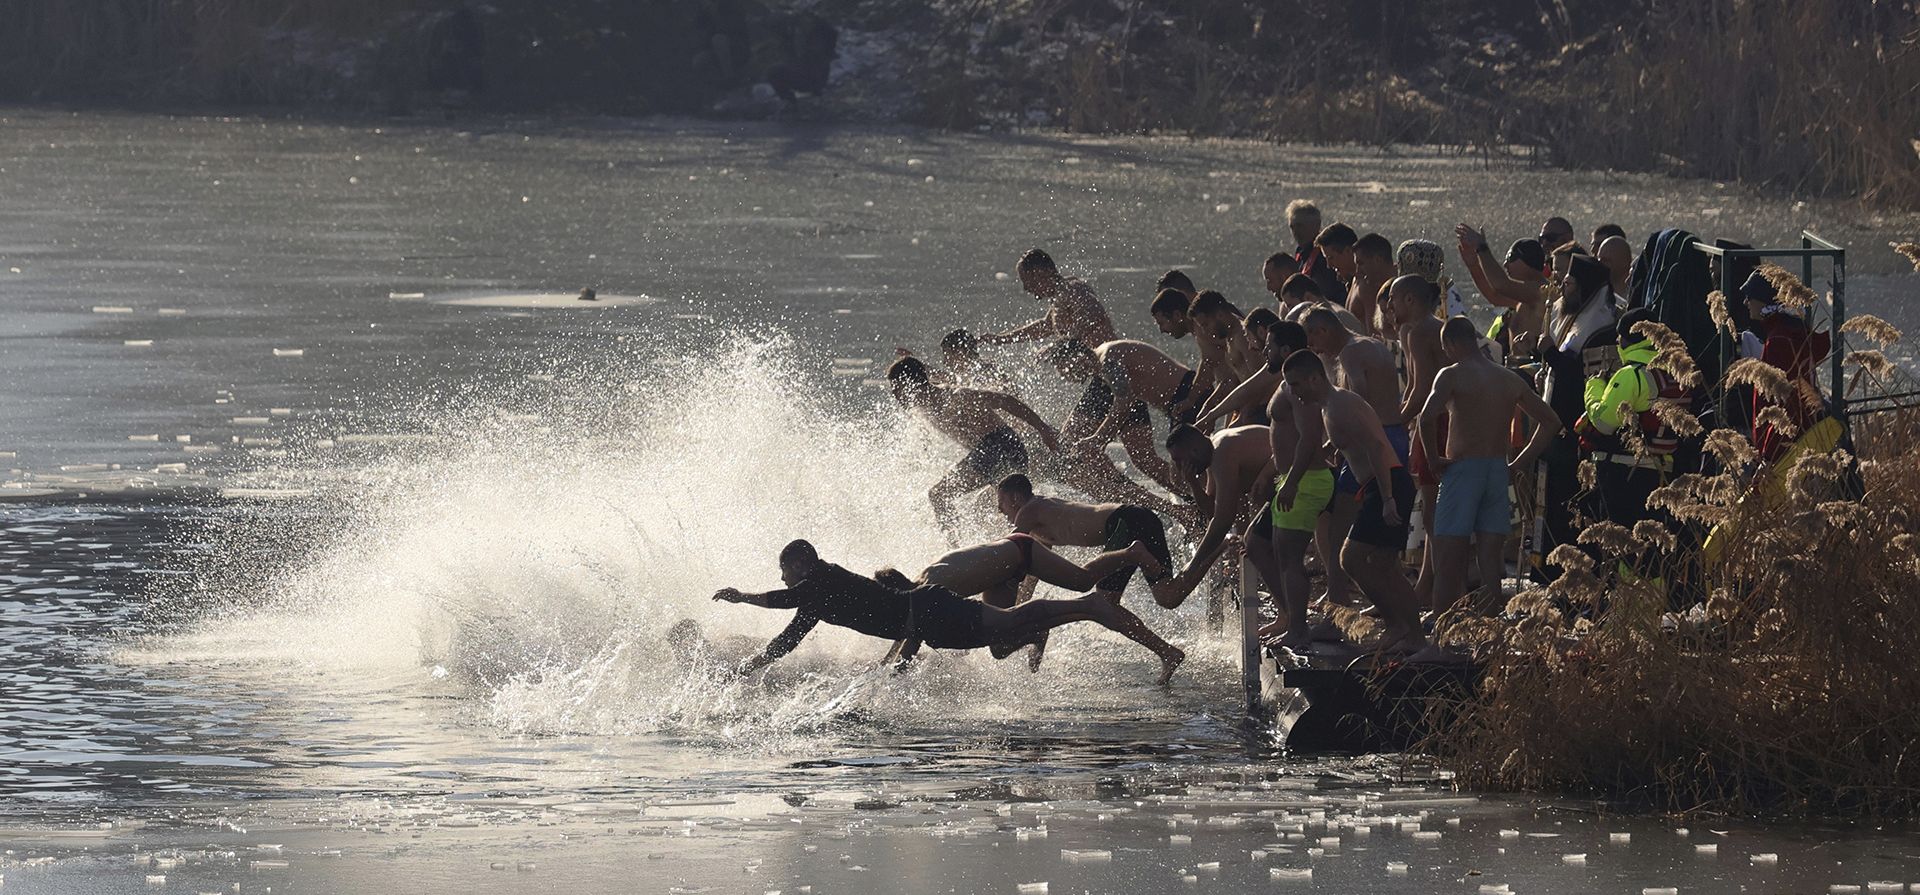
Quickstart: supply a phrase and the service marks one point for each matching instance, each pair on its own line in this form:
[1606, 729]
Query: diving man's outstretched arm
[782, 644]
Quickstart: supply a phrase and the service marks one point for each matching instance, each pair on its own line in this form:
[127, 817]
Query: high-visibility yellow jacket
[1632, 386]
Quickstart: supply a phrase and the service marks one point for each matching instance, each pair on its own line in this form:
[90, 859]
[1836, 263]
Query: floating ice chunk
[143, 438]
[1329, 842]
[1085, 855]
[1222, 208]
[1842, 889]
[1706, 848]
[289, 352]
[1179, 839]
[1884, 886]
[1574, 859]
[1495, 889]
[526, 866]
[138, 343]
[279, 411]
[1397, 867]
[250, 421]
[1030, 833]
[112, 309]
[929, 178]
[867, 204]
[1681, 831]
[1208, 866]
[1291, 874]
[1001, 275]
[1453, 821]
[1660, 890]
[1427, 835]
[1619, 837]
[914, 163]
[1764, 858]
[268, 865]
[156, 879]
[1316, 852]
[1033, 889]
[172, 312]
[843, 310]
[1410, 827]
[1256, 855]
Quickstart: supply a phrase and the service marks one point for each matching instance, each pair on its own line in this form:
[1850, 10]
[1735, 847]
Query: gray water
[337, 559]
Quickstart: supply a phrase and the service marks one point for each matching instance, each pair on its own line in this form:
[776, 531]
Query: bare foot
[1150, 565]
[1271, 629]
[1169, 662]
[1296, 639]
[1039, 651]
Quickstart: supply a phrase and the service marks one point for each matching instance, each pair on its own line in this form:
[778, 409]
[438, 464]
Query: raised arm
[1488, 274]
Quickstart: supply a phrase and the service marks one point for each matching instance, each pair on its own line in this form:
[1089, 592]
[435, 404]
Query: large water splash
[543, 566]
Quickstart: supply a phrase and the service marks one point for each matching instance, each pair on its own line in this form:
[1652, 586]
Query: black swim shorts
[1000, 453]
[1125, 525]
[1097, 400]
[943, 620]
[1370, 528]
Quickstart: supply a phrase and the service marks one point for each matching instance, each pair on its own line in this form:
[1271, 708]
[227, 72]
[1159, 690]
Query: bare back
[1078, 314]
[1141, 370]
[1239, 454]
[972, 570]
[963, 416]
[1065, 522]
[1356, 431]
[1481, 398]
[1366, 368]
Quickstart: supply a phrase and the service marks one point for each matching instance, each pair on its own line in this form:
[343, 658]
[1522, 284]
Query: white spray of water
[546, 569]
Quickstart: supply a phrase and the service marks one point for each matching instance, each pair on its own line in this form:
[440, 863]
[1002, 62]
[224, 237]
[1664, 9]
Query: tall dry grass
[1790, 689]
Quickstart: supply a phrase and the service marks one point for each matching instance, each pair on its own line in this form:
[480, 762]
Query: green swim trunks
[1309, 501]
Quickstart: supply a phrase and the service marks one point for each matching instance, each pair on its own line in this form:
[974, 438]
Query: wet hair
[1174, 279]
[1322, 318]
[1282, 259]
[1211, 302]
[1529, 252]
[1459, 330]
[1264, 318]
[1195, 437]
[1375, 246]
[1037, 260]
[960, 342]
[799, 553]
[1303, 363]
[1018, 483]
[1302, 208]
[1065, 350]
[1603, 231]
[1169, 303]
[1299, 286]
[1424, 290]
[907, 372]
[1337, 236]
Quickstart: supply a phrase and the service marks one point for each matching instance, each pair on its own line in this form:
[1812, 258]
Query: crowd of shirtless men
[1316, 423]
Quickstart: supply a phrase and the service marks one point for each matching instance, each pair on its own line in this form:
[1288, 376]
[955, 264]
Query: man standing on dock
[1469, 455]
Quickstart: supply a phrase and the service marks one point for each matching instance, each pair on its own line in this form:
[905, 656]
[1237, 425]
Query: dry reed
[1786, 688]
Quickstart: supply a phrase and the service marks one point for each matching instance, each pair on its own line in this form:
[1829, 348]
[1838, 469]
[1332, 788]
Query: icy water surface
[341, 538]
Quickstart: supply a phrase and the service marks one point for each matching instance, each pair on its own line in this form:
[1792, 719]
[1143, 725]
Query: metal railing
[1812, 248]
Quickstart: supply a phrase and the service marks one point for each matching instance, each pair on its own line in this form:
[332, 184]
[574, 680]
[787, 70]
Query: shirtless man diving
[1136, 376]
[1074, 311]
[1221, 471]
[995, 571]
[974, 419]
[1055, 521]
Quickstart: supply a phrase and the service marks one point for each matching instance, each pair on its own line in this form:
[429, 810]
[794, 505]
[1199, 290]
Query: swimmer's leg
[1059, 571]
[1036, 616]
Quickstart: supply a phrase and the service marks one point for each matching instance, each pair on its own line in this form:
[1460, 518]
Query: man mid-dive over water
[996, 570]
[1057, 521]
[972, 418]
[823, 592]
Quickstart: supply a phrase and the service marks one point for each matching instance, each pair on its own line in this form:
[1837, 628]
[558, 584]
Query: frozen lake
[342, 536]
